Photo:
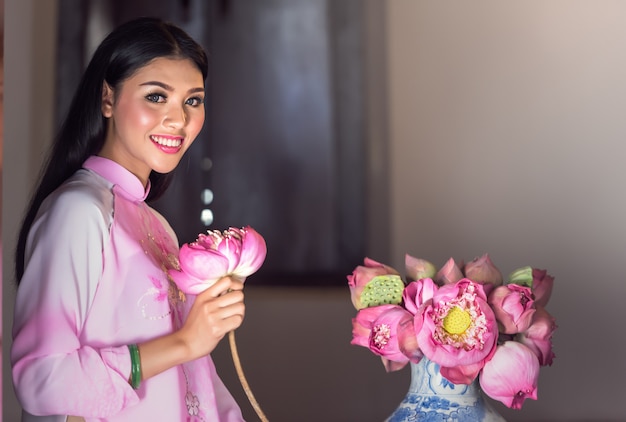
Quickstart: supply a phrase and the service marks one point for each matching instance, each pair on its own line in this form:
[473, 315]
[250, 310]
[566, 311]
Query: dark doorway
[285, 147]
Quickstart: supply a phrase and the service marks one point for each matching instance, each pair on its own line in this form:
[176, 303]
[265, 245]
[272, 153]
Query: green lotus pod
[522, 276]
[382, 290]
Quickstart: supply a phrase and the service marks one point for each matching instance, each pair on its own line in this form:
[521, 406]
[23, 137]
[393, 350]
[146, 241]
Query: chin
[165, 168]
[164, 171]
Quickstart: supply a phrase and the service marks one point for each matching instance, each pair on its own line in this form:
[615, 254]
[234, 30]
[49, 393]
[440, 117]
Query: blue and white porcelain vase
[431, 397]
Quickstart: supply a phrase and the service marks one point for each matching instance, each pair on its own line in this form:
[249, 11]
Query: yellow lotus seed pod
[457, 321]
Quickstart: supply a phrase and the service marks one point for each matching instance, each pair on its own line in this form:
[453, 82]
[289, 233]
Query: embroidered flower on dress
[154, 303]
[160, 291]
[193, 404]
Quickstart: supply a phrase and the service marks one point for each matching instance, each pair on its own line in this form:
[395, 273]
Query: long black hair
[128, 48]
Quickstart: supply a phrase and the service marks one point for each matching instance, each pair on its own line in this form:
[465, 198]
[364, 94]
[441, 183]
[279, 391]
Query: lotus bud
[481, 270]
[448, 274]
[511, 375]
[417, 268]
[542, 286]
[538, 337]
[513, 306]
[417, 293]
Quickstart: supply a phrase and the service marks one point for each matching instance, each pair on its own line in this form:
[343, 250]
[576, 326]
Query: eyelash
[197, 100]
[159, 98]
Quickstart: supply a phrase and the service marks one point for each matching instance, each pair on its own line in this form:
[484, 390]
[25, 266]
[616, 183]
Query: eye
[195, 101]
[156, 98]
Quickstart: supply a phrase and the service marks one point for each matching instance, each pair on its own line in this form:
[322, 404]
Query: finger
[233, 284]
[220, 286]
[229, 298]
[236, 284]
[223, 316]
[233, 322]
[234, 312]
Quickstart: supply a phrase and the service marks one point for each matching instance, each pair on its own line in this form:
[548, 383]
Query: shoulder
[75, 218]
[84, 192]
[85, 199]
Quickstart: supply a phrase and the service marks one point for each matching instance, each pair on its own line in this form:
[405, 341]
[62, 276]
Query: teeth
[167, 142]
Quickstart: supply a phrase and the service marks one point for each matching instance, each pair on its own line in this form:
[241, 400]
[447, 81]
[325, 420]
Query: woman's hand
[215, 312]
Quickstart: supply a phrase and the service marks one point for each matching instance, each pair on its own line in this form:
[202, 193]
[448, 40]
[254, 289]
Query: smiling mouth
[167, 142]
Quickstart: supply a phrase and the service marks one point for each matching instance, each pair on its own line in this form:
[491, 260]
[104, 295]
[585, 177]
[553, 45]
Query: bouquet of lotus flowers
[464, 317]
[236, 252]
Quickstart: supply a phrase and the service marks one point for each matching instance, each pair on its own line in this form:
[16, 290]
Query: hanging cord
[242, 377]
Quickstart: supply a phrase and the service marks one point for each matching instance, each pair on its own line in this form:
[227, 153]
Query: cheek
[195, 124]
[134, 116]
[144, 117]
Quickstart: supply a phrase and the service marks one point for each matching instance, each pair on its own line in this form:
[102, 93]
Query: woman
[100, 332]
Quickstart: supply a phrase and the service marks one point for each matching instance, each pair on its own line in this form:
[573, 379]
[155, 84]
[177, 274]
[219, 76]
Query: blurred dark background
[284, 145]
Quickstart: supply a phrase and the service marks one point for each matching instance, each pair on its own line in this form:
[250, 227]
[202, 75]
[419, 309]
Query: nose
[176, 117]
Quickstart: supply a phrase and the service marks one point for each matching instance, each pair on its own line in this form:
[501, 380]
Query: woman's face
[153, 116]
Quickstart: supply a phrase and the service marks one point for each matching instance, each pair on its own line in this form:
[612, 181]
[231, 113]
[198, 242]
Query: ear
[107, 100]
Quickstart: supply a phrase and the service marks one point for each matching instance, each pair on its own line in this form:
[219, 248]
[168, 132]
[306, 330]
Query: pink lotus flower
[378, 328]
[538, 337]
[457, 327]
[417, 293]
[233, 252]
[462, 374]
[465, 374]
[450, 273]
[513, 306]
[364, 293]
[417, 268]
[482, 270]
[542, 286]
[511, 375]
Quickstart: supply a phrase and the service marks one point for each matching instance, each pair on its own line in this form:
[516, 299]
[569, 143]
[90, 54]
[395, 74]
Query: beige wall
[506, 136]
[28, 104]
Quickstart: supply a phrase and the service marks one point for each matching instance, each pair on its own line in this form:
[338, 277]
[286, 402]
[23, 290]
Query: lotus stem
[242, 377]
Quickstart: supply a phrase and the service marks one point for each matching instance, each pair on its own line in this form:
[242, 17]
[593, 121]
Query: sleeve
[53, 373]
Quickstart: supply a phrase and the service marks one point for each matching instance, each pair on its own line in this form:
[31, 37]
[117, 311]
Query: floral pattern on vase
[431, 398]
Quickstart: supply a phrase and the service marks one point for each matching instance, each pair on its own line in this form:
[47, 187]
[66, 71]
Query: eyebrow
[169, 87]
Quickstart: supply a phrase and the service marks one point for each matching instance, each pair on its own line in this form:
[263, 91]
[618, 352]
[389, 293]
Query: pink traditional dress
[95, 281]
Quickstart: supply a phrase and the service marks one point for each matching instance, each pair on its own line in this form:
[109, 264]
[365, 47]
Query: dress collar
[130, 186]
